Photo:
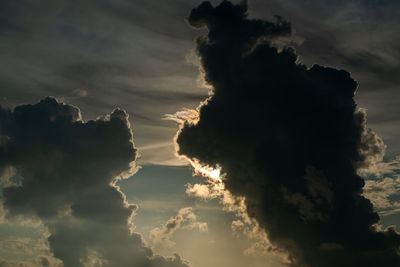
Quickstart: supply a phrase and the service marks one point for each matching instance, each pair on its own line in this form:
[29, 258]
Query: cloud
[68, 171]
[381, 168]
[380, 191]
[40, 261]
[200, 190]
[16, 245]
[382, 185]
[185, 219]
[99, 54]
[39, 252]
[80, 92]
[359, 36]
[289, 139]
[214, 188]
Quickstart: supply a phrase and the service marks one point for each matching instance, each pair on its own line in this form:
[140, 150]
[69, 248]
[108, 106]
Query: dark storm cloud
[69, 169]
[290, 139]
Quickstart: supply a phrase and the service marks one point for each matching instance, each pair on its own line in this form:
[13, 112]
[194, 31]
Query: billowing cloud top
[64, 175]
[288, 138]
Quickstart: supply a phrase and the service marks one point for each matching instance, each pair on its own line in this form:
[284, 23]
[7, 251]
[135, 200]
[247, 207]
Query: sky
[110, 154]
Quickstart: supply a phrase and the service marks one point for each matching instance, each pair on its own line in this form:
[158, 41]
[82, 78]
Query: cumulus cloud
[199, 190]
[185, 219]
[289, 140]
[66, 172]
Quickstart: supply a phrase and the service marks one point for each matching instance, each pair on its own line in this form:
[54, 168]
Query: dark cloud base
[290, 139]
[69, 169]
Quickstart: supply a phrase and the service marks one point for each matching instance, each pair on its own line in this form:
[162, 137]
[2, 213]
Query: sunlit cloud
[186, 115]
[213, 173]
[185, 219]
[382, 186]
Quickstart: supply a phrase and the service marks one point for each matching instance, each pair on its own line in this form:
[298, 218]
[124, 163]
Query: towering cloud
[289, 139]
[63, 171]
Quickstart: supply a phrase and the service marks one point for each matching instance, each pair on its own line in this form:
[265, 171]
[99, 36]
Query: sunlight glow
[207, 171]
[210, 172]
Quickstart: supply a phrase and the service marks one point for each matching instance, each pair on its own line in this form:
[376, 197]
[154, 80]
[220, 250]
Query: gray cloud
[68, 170]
